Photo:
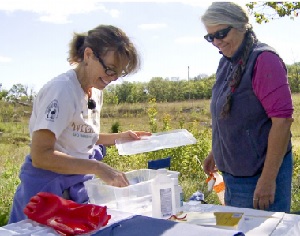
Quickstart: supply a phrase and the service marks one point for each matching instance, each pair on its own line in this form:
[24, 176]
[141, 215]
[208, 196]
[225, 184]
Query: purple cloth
[269, 81]
[99, 152]
[34, 180]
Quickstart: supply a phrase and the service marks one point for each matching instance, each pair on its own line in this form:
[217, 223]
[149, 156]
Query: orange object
[215, 182]
[219, 187]
[209, 178]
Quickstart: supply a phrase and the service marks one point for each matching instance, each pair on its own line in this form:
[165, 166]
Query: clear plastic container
[137, 196]
[178, 195]
[163, 197]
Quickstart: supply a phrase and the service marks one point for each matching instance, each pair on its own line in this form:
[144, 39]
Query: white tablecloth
[256, 222]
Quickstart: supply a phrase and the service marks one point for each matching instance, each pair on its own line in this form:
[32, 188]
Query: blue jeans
[240, 190]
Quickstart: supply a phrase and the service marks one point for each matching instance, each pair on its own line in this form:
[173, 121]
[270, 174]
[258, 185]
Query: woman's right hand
[209, 164]
[112, 176]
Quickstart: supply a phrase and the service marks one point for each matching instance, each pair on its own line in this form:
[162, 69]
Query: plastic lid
[157, 141]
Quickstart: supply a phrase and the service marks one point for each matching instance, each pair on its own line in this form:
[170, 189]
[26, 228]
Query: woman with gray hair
[251, 110]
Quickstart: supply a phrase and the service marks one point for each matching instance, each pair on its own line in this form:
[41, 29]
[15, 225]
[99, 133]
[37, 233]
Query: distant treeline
[165, 90]
[162, 90]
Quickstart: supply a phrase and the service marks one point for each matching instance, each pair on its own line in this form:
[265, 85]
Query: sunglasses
[220, 34]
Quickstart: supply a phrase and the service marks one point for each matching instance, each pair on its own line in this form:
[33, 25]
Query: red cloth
[65, 216]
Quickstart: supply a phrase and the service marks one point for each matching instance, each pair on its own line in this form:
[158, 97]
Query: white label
[166, 202]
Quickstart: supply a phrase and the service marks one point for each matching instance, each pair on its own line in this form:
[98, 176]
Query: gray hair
[227, 13]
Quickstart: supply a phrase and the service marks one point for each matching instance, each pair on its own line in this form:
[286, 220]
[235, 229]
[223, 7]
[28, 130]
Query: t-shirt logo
[52, 110]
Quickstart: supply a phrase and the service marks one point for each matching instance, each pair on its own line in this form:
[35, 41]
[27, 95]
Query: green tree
[159, 89]
[3, 94]
[20, 93]
[136, 93]
[17, 92]
[264, 11]
[123, 92]
[294, 77]
[177, 90]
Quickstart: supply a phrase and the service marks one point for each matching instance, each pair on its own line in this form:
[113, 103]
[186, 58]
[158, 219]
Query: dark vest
[239, 140]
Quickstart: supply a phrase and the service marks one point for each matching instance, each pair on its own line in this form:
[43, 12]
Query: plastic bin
[133, 198]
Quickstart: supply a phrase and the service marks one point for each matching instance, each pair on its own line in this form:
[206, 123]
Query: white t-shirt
[61, 107]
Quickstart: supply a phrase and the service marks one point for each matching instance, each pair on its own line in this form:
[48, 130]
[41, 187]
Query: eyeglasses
[220, 34]
[108, 71]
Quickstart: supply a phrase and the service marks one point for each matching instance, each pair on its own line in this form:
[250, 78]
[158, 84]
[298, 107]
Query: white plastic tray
[157, 141]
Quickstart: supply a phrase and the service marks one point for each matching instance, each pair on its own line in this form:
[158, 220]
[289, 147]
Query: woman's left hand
[264, 194]
[136, 135]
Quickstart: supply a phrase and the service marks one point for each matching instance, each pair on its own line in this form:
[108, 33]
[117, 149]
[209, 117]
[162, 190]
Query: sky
[35, 36]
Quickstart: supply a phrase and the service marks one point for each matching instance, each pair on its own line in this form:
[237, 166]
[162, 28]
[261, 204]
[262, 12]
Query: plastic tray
[157, 141]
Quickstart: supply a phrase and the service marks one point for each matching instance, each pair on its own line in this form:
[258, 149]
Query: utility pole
[189, 82]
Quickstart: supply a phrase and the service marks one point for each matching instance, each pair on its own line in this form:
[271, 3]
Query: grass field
[191, 115]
